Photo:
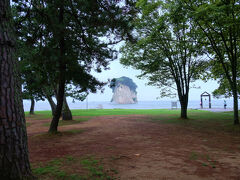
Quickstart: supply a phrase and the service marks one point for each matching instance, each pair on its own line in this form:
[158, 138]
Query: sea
[157, 104]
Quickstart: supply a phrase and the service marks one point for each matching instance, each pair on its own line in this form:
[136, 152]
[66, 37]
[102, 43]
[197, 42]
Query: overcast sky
[144, 92]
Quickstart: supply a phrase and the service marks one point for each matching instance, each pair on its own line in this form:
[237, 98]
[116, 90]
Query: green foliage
[31, 77]
[83, 28]
[70, 39]
[224, 90]
[125, 81]
[218, 23]
[64, 37]
[166, 49]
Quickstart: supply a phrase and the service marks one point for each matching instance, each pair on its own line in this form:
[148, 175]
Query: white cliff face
[123, 95]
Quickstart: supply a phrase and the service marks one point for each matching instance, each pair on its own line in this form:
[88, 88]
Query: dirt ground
[142, 150]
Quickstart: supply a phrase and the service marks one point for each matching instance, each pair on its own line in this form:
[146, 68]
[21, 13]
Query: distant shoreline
[216, 104]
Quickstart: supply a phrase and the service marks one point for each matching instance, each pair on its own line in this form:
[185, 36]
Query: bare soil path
[142, 150]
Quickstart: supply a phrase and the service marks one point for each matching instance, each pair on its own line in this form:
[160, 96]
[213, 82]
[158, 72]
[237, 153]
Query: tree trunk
[14, 161]
[235, 106]
[66, 112]
[32, 106]
[235, 92]
[57, 113]
[183, 109]
[184, 104]
[52, 104]
[62, 70]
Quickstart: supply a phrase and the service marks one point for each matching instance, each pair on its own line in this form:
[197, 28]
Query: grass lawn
[61, 168]
[69, 122]
[104, 112]
[204, 120]
[196, 118]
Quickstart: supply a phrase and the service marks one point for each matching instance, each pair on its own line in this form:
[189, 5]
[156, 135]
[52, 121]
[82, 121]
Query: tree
[30, 83]
[14, 161]
[51, 103]
[30, 75]
[219, 23]
[165, 49]
[224, 89]
[27, 95]
[73, 35]
[37, 83]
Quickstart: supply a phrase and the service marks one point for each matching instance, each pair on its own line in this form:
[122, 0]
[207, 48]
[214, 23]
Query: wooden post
[210, 106]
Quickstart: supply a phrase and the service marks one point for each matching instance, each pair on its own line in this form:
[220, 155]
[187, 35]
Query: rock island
[124, 90]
